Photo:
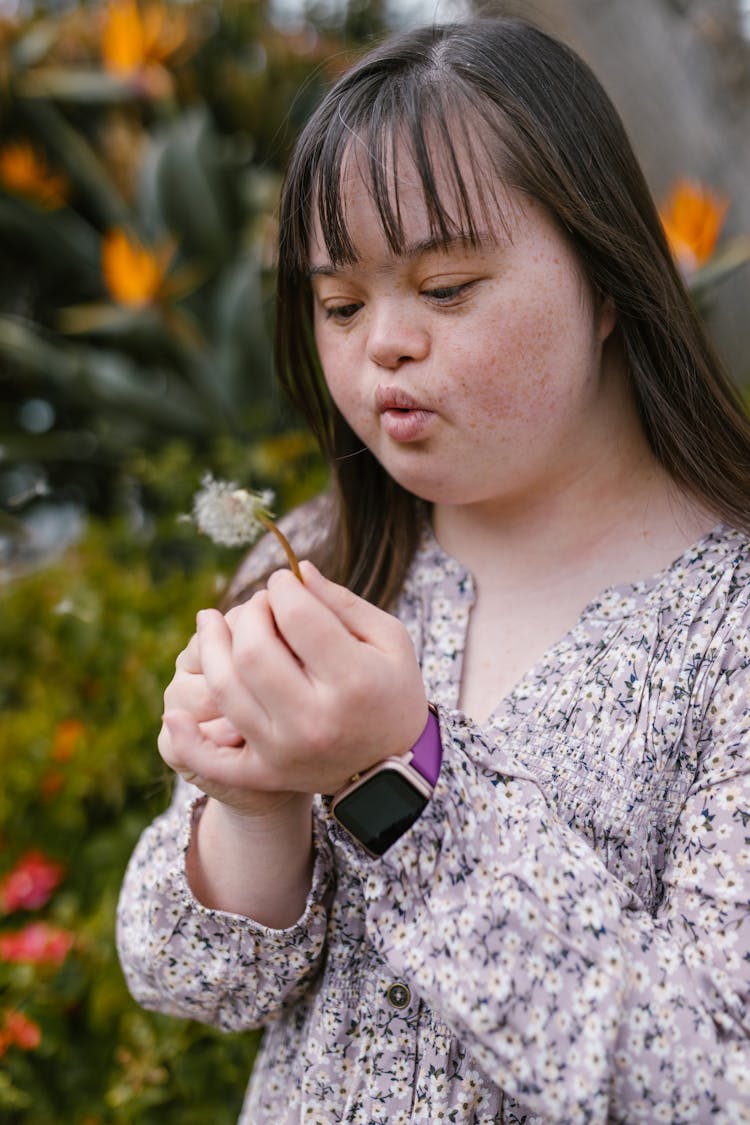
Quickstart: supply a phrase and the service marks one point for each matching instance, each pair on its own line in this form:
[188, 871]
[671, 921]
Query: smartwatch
[379, 805]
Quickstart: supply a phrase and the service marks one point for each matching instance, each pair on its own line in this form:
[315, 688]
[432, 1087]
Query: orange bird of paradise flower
[133, 274]
[693, 217]
[137, 37]
[24, 171]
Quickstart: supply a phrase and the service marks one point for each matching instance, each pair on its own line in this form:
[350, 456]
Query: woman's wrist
[273, 812]
[257, 865]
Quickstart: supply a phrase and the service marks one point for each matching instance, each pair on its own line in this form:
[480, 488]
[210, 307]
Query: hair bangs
[433, 129]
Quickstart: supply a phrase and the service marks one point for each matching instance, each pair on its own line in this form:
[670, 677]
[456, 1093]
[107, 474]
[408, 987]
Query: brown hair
[555, 137]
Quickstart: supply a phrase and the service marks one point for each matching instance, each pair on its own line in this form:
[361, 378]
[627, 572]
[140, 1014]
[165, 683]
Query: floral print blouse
[562, 936]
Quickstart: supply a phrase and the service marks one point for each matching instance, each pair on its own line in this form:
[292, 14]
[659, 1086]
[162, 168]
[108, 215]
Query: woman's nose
[394, 338]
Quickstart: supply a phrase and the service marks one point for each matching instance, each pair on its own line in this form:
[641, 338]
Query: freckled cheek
[513, 380]
[347, 393]
[334, 366]
[343, 393]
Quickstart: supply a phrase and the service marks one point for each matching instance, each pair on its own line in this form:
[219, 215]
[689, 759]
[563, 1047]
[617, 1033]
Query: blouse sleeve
[181, 958]
[573, 997]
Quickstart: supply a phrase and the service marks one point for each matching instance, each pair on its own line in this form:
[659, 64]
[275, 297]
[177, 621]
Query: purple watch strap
[427, 751]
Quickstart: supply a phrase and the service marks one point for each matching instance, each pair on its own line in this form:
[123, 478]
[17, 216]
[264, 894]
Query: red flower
[68, 735]
[36, 944]
[30, 883]
[17, 1030]
[51, 784]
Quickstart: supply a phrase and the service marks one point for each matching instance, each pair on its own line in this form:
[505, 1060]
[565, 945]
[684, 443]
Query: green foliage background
[182, 155]
[91, 640]
[140, 399]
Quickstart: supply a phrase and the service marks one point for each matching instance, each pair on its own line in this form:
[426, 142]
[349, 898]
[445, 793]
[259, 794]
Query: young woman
[537, 524]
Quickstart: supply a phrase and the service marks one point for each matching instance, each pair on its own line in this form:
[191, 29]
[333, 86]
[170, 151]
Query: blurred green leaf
[95, 87]
[111, 379]
[76, 155]
[189, 190]
[732, 256]
[244, 352]
[10, 526]
[33, 43]
[60, 238]
[60, 445]
[122, 323]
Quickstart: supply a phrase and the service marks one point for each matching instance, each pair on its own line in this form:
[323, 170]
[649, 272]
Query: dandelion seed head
[230, 515]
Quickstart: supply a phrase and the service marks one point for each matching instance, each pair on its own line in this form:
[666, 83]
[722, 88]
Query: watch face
[380, 810]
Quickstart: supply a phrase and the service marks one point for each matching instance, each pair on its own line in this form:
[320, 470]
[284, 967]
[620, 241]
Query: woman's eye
[447, 293]
[342, 312]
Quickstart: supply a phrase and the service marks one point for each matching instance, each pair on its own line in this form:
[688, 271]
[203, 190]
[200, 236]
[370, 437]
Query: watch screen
[380, 811]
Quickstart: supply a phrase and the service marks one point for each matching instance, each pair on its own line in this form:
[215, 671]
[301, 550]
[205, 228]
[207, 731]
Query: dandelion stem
[271, 526]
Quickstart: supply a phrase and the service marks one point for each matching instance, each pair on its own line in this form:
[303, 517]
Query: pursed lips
[394, 398]
[403, 418]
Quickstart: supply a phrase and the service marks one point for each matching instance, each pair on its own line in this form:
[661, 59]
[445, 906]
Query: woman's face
[474, 374]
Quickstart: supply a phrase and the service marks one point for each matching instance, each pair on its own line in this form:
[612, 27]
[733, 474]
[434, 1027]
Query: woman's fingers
[215, 644]
[362, 619]
[249, 670]
[345, 644]
[367, 696]
[325, 629]
[179, 731]
[221, 732]
[217, 769]
[192, 693]
[230, 774]
[189, 660]
[188, 688]
[263, 662]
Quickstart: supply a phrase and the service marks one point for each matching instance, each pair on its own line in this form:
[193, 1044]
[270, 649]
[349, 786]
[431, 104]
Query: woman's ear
[606, 317]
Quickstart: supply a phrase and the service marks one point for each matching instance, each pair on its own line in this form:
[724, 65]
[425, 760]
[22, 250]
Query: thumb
[179, 739]
[360, 617]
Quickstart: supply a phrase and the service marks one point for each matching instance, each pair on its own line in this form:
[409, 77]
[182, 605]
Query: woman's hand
[188, 691]
[315, 683]
[192, 720]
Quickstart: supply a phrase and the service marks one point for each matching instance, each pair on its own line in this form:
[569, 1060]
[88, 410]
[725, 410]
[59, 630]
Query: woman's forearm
[256, 866]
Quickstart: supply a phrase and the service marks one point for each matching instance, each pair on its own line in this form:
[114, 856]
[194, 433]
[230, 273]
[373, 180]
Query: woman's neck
[618, 521]
[536, 566]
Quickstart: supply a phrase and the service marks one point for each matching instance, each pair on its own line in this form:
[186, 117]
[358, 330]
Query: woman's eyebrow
[437, 244]
[322, 271]
[434, 244]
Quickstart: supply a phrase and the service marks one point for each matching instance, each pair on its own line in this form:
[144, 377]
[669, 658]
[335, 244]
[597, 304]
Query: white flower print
[570, 914]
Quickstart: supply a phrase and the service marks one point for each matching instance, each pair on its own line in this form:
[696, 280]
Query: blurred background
[141, 146]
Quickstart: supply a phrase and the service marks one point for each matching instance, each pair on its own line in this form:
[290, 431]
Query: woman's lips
[403, 418]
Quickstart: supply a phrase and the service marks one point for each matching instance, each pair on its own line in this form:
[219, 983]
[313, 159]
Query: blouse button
[399, 995]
